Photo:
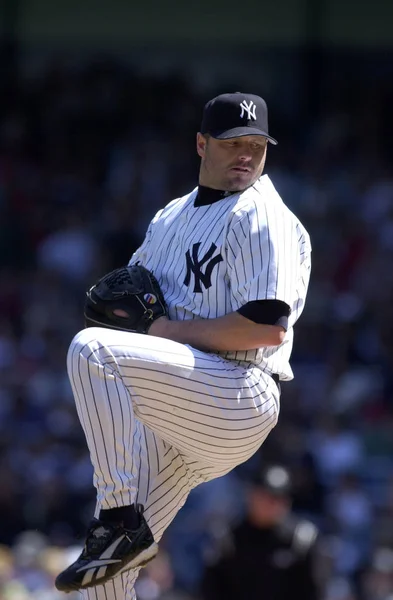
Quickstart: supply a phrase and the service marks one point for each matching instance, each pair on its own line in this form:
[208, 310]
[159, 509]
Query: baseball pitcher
[176, 376]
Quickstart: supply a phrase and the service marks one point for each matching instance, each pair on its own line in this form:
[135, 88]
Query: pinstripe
[130, 430]
[278, 251]
[219, 449]
[174, 206]
[200, 230]
[221, 370]
[268, 247]
[212, 372]
[188, 411]
[102, 440]
[236, 271]
[220, 457]
[209, 451]
[208, 428]
[124, 580]
[87, 425]
[171, 385]
[119, 421]
[168, 449]
[93, 593]
[139, 470]
[81, 416]
[200, 356]
[129, 579]
[123, 421]
[179, 492]
[148, 463]
[174, 491]
[260, 254]
[133, 444]
[210, 359]
[189, 228]
[170, 264]
[172, 472]
[250, 254]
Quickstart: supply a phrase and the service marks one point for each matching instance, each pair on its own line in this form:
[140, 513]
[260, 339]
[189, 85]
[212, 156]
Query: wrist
[159, 327]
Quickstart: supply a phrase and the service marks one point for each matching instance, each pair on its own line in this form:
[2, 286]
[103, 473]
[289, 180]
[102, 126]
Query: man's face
[232, 165]
[266, 509]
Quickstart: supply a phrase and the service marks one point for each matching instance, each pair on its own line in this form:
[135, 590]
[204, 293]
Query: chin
[240, 183]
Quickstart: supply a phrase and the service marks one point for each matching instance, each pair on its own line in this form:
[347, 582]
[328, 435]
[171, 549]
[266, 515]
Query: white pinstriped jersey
[210, 260]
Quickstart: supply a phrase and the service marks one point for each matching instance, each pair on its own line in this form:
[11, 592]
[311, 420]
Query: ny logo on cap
[249, 109]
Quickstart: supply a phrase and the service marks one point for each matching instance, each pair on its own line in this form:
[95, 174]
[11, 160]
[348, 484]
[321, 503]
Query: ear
[201, 144]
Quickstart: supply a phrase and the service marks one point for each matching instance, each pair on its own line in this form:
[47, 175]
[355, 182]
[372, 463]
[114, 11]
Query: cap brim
[242, 132]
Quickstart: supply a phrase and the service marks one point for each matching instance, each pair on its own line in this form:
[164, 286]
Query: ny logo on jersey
[194, 265]
[249, 108]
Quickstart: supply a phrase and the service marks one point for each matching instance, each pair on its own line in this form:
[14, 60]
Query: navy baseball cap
[235, 115]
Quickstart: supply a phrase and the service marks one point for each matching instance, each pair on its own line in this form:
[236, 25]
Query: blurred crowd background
[94, 140]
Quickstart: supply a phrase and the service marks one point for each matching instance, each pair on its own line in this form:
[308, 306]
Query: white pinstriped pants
[159, 418]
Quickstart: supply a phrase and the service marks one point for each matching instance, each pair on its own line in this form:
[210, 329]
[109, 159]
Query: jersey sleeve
[268, 257]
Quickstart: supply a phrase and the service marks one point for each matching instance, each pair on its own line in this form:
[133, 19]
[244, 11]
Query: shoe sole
[143, 558]
[139, 561]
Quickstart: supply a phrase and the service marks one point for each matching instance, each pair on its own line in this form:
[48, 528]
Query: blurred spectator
[379, 577]
[28, 572]
[308, 492]
[210, 509]
[71, 251]
[349, 520]
[335, 449]
[271, 554]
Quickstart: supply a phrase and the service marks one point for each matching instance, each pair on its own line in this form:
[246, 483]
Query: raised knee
[85, 343]
[85, 337]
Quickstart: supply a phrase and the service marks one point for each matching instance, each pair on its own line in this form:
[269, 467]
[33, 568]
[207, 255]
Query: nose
[245, 155]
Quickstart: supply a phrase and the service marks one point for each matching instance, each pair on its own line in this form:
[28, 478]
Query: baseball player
[196, 391]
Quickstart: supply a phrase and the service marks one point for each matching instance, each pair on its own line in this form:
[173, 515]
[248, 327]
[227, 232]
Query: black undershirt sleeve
[267, 312]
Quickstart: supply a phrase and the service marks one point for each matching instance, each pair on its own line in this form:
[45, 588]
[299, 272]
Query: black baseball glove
[133, 291]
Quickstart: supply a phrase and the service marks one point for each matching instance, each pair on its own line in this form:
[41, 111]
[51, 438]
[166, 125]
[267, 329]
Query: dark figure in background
[271, 555]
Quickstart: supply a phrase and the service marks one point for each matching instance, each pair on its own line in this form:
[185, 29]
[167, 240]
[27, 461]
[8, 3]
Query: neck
[203, 182]
[208, 195]
[207, 178]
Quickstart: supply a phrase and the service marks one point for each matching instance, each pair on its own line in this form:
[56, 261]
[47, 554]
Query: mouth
[241, 169]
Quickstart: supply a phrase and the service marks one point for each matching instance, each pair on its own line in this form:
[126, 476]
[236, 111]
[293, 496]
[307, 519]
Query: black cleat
[109, 549]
